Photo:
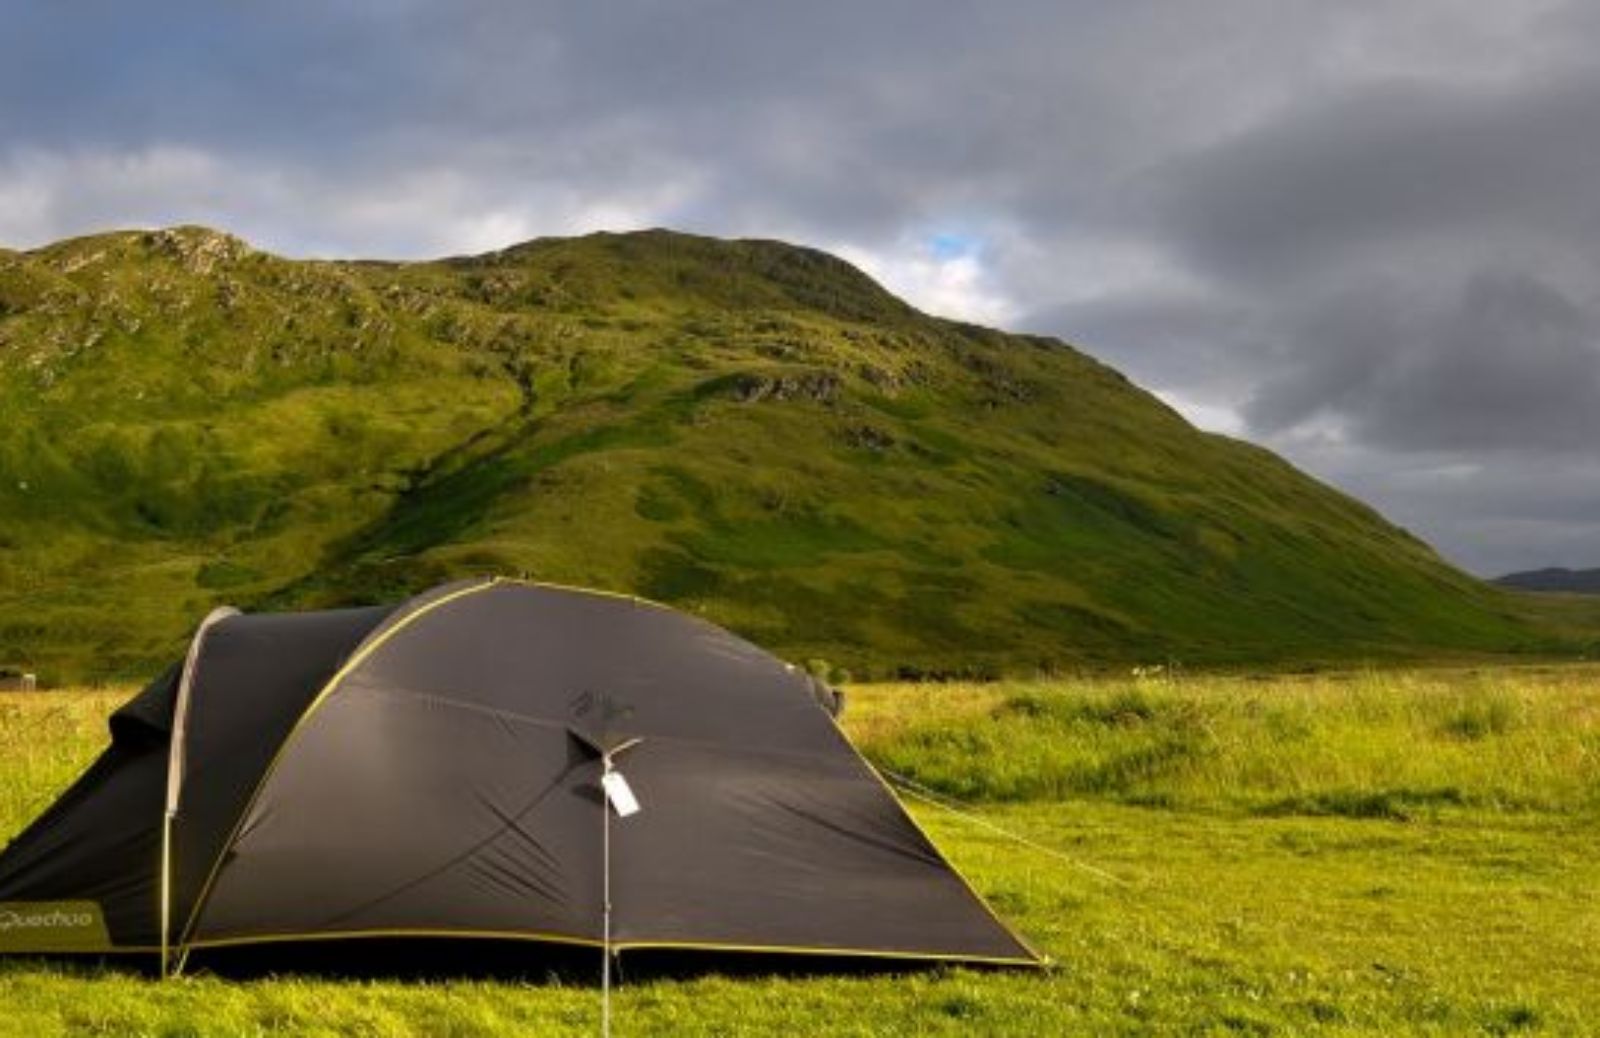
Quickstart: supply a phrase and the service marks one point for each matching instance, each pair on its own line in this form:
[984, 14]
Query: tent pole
[166, 888]
[605, 901]
[175, 766]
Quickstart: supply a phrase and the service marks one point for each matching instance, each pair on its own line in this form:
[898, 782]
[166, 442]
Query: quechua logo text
[11, 919]
[52, 926]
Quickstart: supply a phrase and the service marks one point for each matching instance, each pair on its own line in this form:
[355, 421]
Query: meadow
[1384, 852]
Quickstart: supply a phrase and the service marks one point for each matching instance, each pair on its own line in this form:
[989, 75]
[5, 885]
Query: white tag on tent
[619, 793]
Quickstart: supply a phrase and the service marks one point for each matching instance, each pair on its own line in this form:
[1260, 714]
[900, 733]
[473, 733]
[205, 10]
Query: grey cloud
[1505, 362]
[844, 117]
[1397, 164]
[1514, 366]
[1372, 218]
[1174, 341]
[1491, 514]
[1331, 353]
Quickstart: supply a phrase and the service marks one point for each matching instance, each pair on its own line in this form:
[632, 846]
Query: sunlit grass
[46, 740]
[1226, 856]
[1383, 743]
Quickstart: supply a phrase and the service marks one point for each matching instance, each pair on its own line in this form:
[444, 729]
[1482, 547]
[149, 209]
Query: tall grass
[1380, 744]
[46, 741]
[1276, 896]
[1368, 744]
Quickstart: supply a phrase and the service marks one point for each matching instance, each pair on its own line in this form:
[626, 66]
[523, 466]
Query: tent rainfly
[443, 768]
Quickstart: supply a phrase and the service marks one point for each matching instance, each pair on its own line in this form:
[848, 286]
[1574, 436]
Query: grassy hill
[750, 430]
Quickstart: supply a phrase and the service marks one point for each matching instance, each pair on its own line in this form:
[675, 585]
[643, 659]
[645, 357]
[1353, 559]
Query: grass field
[1383, 853]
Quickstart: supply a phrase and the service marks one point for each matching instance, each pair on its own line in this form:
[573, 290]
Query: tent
[491, 759]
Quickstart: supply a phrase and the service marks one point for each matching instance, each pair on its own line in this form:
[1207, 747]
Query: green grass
[1266, 855]
[1394, 744]
[747, 429]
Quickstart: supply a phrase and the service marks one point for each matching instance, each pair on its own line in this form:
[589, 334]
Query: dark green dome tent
[435, 770]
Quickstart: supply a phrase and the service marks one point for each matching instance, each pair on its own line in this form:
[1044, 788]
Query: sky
[1363, 234]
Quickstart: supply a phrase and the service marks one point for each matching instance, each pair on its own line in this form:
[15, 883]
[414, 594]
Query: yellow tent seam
[360, 656]
[887, 788]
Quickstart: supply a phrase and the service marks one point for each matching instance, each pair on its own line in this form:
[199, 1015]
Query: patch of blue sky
[952, 245]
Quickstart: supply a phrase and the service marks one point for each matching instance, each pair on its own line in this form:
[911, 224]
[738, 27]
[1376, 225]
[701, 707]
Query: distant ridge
[1555, 578]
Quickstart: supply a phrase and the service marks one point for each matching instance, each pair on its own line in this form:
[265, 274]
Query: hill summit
[752, 431]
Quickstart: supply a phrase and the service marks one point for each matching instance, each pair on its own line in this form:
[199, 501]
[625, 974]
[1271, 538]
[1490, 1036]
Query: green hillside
[750, 430]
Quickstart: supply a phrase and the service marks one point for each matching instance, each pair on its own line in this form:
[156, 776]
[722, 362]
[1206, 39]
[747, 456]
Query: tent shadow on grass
[507, 961]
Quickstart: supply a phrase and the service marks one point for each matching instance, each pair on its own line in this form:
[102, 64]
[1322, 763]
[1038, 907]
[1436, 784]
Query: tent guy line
[944, 802]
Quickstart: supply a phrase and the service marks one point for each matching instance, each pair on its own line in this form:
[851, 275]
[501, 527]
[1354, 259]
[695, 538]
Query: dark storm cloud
[841, 117]
[1509, 363]
[1421, 261]
[1480, 509]
[1365, 233]
[1431, 169]
[1171, 340]
[1514, 365]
